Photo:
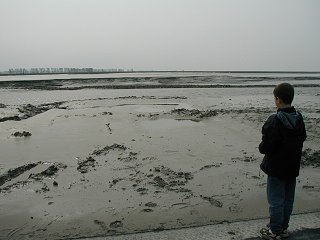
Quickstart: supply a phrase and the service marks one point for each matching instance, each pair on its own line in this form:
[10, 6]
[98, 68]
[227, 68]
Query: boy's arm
[271, 138]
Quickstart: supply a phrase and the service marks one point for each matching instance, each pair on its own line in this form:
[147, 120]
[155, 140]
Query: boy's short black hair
[285, 92]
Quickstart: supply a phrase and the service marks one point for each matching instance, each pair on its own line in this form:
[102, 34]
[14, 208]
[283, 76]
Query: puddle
[167, 124]
[149, 109]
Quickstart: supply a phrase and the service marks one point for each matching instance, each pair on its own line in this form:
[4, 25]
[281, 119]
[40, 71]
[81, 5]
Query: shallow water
[167, 124]
[217, 75]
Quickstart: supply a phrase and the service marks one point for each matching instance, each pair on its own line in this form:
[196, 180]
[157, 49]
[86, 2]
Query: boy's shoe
[284, 234]
[265, 233]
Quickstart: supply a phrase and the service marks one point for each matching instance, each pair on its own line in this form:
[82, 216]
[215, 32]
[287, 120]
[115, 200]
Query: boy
[283, 135]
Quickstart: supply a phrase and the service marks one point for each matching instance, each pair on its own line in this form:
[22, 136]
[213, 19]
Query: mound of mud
[106, 149]
[49, 172]
[12, 118]
[83, 166]
[12, 174]
[29, 110]
[15, 172]
[194, 113]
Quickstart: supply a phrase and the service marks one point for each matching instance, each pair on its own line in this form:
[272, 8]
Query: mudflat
[94, 162]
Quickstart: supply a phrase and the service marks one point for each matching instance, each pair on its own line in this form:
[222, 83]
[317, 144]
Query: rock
[106, 113]
[55, 184]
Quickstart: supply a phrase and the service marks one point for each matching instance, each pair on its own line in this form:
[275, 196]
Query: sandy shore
[96, 162]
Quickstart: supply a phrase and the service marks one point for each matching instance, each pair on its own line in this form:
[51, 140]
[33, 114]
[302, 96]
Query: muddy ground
[96, 162]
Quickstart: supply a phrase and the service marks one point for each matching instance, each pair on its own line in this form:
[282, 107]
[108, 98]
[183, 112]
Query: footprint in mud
[150, 204]
[210, 166]
[142, 191]
[147, 210]
[109, 128]
[116, 224]
[308, 187]
[212, 201]
[115, 181]
[101, 224]
[234, 208]
[131, 157]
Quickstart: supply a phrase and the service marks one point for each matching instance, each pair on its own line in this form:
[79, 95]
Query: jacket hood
[289, 117]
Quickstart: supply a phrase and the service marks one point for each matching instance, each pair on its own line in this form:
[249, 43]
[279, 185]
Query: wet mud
[119, 175]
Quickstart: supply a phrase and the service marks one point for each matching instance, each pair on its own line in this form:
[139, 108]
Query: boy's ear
[280, 100]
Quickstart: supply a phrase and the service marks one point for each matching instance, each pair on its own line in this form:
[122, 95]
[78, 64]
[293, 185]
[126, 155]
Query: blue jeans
[280, 195]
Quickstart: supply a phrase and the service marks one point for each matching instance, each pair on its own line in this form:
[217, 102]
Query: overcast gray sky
[161, 34]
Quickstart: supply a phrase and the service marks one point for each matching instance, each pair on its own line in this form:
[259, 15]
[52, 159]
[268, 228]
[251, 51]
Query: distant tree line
[24, 71]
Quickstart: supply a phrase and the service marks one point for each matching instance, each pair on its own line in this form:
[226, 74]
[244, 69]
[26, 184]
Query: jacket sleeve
[304, 134]
[271, 138]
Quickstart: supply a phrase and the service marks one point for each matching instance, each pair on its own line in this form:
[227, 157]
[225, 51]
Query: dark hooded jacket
[283, 135]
